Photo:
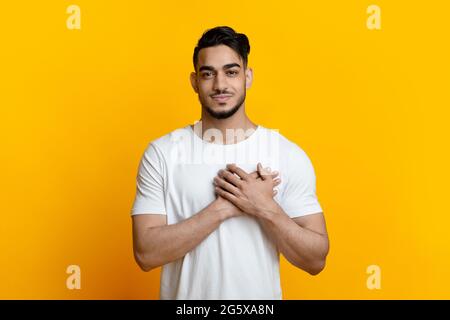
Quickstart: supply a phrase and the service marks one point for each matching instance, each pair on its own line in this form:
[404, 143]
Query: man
[218, 201]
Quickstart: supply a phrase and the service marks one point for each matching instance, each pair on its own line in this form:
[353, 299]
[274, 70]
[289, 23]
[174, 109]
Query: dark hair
[226, 36]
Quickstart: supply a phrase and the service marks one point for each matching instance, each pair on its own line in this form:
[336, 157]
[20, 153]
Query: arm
[155, 243]
[303, 240]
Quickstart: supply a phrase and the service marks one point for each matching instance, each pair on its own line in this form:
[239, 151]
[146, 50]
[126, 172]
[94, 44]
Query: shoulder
[164, 144]
[287, 148]
[293, 159]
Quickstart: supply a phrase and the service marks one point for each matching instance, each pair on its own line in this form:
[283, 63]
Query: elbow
[145, 267]
[318, 265]
[312, 267]
[144, 262]
[316, 268]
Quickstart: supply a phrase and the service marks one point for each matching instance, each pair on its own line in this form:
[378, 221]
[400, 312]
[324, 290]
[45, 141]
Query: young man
[218, 201]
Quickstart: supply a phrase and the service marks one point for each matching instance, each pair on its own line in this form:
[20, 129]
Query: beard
[224, 114]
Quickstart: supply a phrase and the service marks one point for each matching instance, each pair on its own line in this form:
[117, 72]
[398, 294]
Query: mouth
[221, 97]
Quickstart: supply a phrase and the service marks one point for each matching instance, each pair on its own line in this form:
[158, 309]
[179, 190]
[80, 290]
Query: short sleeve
[150, 183]
[299, 194]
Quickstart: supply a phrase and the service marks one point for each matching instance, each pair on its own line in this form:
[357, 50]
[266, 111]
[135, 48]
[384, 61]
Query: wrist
[269, 210]
[218, 210]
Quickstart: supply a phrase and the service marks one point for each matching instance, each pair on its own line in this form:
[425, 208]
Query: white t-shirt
[238, 260]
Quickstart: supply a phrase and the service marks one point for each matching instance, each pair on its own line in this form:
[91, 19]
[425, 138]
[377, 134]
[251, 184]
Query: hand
[251, 195]
[227, 208]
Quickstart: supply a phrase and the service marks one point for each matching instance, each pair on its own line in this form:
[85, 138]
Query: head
[221, 76]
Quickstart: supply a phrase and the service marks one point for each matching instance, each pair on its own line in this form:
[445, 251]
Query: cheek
[204, 89]
[240, 84]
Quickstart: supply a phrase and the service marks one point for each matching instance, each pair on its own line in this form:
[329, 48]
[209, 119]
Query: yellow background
[78, 108]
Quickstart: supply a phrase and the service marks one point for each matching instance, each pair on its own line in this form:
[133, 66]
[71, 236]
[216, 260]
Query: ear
[248, 77]
[193, 79]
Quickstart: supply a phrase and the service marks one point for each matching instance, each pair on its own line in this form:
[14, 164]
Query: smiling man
[218, 201]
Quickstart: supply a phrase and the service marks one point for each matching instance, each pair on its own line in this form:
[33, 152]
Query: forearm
[302, 247]
[163, 244]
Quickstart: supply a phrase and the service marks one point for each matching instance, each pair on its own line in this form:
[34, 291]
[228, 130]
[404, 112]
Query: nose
[220, 83]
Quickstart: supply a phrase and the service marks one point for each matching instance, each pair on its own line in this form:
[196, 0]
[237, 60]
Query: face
[221, 81]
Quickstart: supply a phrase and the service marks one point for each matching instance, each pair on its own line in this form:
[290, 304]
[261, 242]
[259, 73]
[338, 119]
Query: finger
[226, 195]
[230, 177]
[254, 175]
[262, 172]
[269, 172]
[276, 182]
[266, 169]
[219, 182]
[235, 169]
[273, 175]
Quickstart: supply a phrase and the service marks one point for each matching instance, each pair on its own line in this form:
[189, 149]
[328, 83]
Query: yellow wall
[78, 107]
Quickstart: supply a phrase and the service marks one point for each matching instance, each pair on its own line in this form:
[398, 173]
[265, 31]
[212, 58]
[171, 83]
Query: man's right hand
[228, 209]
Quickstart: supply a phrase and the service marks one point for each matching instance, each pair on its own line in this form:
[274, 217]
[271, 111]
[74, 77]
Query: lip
[221, 97]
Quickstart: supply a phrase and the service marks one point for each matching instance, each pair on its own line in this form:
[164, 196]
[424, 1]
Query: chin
[225, 108]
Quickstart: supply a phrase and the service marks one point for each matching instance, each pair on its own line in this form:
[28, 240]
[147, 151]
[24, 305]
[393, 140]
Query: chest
[190, 186]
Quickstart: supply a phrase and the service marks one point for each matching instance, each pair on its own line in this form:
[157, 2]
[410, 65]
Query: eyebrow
[227, 66]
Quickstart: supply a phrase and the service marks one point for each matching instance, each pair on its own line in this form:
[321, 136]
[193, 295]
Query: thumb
[261, 171]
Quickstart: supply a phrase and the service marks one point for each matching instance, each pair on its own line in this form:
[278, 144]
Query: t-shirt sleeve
[299, 195]
[150, 183]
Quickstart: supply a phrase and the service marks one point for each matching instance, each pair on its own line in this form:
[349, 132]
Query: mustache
[221, 93]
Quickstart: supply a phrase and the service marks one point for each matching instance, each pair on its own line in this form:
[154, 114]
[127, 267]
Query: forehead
[218, 56]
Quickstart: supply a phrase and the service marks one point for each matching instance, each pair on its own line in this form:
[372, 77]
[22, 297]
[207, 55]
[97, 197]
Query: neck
[238, 121]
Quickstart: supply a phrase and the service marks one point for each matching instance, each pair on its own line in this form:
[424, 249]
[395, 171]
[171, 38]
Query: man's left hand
[248, 193]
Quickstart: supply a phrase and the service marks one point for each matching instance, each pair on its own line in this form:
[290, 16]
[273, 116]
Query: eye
[232, 72]
[206, 74]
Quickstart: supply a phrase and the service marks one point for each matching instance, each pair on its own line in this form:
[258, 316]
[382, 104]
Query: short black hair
[226, 36]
